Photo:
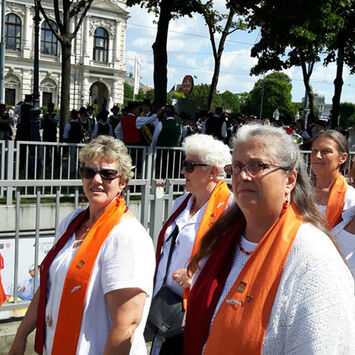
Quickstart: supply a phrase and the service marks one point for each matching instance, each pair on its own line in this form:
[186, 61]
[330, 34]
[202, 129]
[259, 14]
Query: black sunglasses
[106, 174]
[190, 165]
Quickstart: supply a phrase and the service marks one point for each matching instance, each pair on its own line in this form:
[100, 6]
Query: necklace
[193, 211]
[242, 250]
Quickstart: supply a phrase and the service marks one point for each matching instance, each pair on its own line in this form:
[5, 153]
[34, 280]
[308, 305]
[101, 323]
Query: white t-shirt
[348, 202]
[346, 240]
[314, 308]
[126, 260]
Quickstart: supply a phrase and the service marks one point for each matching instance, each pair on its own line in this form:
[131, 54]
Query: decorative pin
[249, 299]
[48, 321]
[232, 301]
[241, 287]
[213, 215]
[75, 288]
[80, 264]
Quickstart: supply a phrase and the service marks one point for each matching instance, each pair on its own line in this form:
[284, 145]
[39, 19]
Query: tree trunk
[338, 85]
[214, 82]
[160, 54]
[306, 80]
[65, 87]
[217, 55]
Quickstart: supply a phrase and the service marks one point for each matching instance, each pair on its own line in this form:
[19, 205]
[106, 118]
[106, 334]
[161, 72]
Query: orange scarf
[335, 204]
[216, 205]
[78, 277]
[240, 323]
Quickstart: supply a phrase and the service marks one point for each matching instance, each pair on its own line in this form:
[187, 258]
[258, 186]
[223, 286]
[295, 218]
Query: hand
[180, 276]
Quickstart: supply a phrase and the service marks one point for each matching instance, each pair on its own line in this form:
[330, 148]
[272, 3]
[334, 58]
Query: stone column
[86, 40]
[27, 32]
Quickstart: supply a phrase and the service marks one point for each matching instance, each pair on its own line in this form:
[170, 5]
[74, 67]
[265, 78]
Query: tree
[199, 95]
[347, 115]
[230, 101]
[213, 21]
[165, 10]
[340, 48]
[277, 95]
[69, 12]
[291, 34]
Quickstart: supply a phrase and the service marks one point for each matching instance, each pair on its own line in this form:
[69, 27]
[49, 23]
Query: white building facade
[98, 68]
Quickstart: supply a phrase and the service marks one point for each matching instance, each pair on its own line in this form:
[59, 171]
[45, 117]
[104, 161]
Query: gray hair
[109, 149]
[209, 151]
[287, 155]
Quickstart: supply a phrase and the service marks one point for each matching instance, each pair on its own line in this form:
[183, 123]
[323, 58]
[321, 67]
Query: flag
[137, 75]
[195, 77]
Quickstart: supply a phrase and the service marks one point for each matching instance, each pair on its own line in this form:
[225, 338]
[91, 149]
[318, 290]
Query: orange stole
[335, 204]
[77, 280]
[216, 205]
[240, 329]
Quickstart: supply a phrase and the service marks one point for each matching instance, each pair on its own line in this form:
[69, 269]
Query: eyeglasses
[253, 168]
[190, 165]
[106, 174]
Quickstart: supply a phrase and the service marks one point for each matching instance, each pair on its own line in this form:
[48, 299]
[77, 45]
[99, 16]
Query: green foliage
[199, 95]
[347, 115]
[277, 95]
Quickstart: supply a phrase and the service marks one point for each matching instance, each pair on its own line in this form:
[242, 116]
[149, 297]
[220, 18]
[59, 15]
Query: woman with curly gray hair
[268, 277]
[98, 276]
[206, 199]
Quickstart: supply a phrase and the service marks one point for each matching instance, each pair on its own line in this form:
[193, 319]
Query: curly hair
[109, 149]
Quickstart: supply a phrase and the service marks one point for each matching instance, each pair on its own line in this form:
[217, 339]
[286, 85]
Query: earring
[286, 203]
[83, 198]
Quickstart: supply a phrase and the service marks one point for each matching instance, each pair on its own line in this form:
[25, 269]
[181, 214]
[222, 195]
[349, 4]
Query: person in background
[5, 124]
[329, 158]
[193, 213]
[23, 127]
[102, 125]
[90, 113]
[129, 127]
[27, 289]
[115, 118]
[216, 125]
[50, 122]
[170, 134]
[72, 130]
[268, 277]
[96, 281]
[85, 125]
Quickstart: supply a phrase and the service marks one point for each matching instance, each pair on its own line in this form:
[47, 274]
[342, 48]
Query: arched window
[49, 43]
[101, 45]
[13, 32]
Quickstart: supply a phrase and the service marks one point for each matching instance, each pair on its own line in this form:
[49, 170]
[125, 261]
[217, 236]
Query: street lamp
[35, 111]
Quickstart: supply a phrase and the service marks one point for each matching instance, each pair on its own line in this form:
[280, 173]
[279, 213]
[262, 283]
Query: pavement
[8, 330]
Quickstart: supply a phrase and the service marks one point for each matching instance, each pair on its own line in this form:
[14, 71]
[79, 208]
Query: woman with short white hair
[193, 214]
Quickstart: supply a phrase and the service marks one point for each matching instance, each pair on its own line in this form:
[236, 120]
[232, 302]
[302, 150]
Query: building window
[47, 97]
[13, 32]
[101, 45]
[10, 97]
[49, 43]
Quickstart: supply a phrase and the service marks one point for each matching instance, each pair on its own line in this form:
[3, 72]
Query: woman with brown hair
[329, 158]
[268, 277]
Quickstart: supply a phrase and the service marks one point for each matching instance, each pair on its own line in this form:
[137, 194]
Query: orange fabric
[216, 205]
[240, 329]
[77, 280]
[335, 204]
[2, 292]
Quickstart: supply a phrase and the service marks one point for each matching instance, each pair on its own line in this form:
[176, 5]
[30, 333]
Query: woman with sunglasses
[268, 278]
[193, 213]
[96, 281]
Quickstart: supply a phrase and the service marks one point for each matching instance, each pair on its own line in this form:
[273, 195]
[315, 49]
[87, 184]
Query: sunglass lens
[87, 173]
[109, 174]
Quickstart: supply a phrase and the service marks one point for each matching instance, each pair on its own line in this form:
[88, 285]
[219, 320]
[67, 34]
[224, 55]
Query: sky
[190, 52]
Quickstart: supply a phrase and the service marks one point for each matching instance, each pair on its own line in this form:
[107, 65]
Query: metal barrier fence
[156, 201]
